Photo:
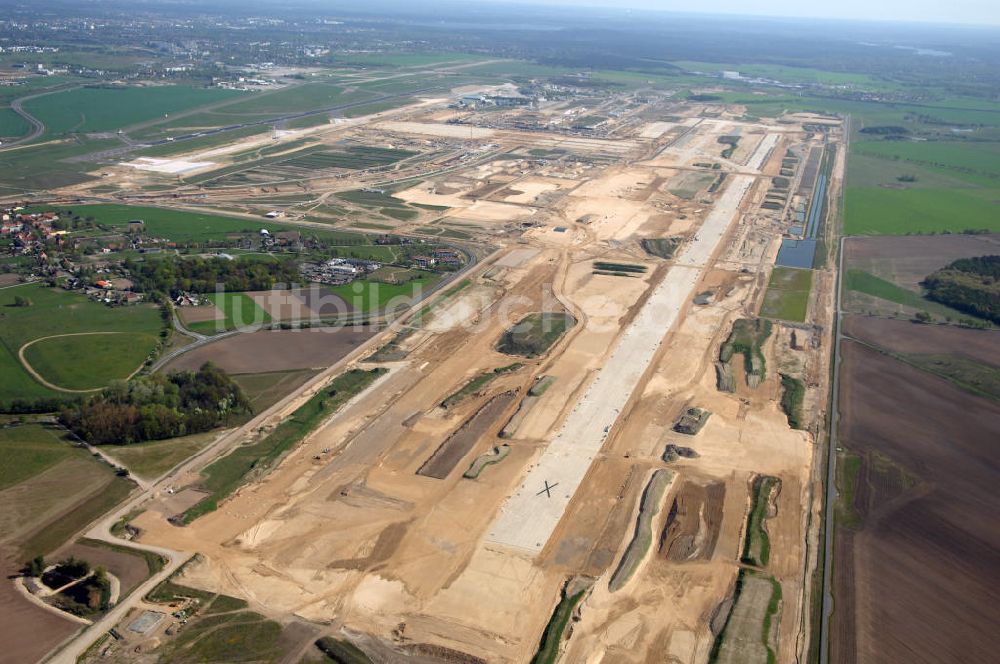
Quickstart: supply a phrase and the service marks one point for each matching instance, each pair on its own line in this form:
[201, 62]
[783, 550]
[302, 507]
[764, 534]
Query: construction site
[587, 450]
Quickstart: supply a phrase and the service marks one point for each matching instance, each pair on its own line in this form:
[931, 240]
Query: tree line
[157, 406]
[971, 285]
[201, 275]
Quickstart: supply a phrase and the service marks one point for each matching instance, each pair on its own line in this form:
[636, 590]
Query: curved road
[37, 127]
[34, 374]
[68, 652]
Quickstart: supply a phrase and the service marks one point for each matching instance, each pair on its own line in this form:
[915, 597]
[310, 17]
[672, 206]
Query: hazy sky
[932, 11]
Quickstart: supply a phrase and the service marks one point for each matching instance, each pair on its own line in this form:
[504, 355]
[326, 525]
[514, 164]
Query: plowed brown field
[917, 582]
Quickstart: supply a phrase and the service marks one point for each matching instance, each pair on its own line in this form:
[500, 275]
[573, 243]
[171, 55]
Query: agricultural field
[103, 109]
[89, 359]
[883, 275]
[239, 311]
[151, 459]
[50, 489]
[968, 358]
[42, 166]
[871, 211]
[355, 157]
[904, 187]
[915, 493]
[886, 293]
[12, 125]
[275, 351]
[924, 500]
[28, 450]
[174, 225]
[194, 227]
[787, 295]
[265, 389]
[368, 296]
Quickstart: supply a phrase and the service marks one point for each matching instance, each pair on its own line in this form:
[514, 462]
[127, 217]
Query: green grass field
[238, 310]
[366, 296]
[227, 637]
[883, 211]
[377, 107]
[861, 281]
[55, 312]
[108, 109]
[848, 475]
[266, 389]
[787, 296]
[55, 489]
[44, 166]
[188, 226]
[959, 156]
[12, 125]
[306, 97]
[109, 357]
[152, 459]
[175, 225]
[408, 59]
[784, 74]
[27, 450]
[903, 187]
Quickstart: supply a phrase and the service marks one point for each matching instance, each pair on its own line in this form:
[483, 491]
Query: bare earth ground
[907, 337]
[358, 539]
[28, 507]
[131, 570]
[276, 350]
[930, 539]
[907, 260]
[29, 631]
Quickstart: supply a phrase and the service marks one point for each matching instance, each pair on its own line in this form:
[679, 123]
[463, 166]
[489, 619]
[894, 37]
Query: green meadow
[185, 225]
[366, 296]
[787, 295]
[78, 362]
[238, 310]
[101, 109]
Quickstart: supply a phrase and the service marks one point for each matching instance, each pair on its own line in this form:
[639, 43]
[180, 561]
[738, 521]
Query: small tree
[34, 567]
[923, 317]
[21, 301]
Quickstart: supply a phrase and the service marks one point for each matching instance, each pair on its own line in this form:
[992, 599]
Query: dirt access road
[102, 530]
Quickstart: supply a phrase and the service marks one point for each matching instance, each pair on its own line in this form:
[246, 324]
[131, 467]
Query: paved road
[102, 529]
[826, 605]
[175, 559]
[37, 127]
[116, 153]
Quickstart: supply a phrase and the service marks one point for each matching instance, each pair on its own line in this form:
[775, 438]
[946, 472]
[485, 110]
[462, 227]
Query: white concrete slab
[528, 517]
